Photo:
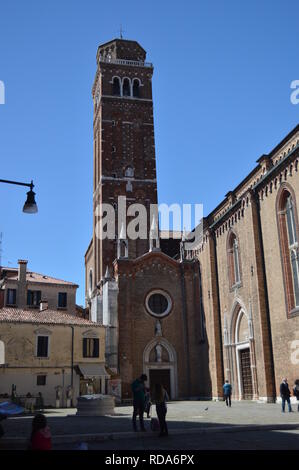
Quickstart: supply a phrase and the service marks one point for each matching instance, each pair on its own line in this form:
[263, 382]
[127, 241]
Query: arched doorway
[243, 357]
[160, 365]
[240, 352]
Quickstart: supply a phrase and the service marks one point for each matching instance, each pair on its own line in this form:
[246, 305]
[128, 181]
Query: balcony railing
[132, 63]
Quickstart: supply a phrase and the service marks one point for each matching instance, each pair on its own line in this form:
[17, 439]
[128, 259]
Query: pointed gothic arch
[240, 362]
[287, 223]
[233, 258]
[170, 365]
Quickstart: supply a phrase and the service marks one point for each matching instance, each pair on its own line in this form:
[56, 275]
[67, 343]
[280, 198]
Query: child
[41, 435]
[161, 397]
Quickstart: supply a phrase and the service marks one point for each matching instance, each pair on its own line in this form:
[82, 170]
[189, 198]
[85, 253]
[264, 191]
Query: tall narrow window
[116, 86]
[33, 298]
[236, 261]
[42, 346]
[62, 300]
[136, 88]
[233, 256]
[126, 87]
[11, 297]
[287, 224]
[90, 282]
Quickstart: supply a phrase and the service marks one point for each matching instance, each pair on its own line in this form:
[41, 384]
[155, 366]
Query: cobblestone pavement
[181, 415]
[249, 440]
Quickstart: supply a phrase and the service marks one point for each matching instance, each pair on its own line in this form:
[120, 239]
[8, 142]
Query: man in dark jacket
[285, 395]
[138, 389]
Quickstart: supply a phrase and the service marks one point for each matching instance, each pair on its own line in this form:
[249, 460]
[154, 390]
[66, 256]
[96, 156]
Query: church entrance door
[246, 376]
[161, 376]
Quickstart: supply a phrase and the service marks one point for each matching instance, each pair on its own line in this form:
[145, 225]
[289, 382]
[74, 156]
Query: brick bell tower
[124, 146]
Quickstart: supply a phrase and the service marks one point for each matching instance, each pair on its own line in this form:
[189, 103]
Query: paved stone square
[244, 440]
[184, 417]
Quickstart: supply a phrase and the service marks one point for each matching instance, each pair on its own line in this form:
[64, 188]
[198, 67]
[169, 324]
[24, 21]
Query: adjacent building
[45, 345]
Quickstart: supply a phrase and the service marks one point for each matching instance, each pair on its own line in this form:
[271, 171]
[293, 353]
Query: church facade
[227, 309]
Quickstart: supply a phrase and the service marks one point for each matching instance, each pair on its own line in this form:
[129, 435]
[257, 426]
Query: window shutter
[42, 346]
[28, 297]
[84, 347]
[96, 347]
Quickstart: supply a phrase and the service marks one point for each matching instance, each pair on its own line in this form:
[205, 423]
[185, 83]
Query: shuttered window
[42, 346]
[91, 347]
[33, 298]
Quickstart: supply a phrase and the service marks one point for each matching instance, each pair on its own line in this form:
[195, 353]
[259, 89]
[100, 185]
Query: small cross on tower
[121, 31]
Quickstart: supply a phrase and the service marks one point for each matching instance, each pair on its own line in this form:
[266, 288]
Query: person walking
[40, 436]
[296, 391]
[161, 397]
[138, 389]
[285, 395]
[227, 392]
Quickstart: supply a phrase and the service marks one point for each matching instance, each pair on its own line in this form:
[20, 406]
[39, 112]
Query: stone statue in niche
[159, 353]
[158, 328]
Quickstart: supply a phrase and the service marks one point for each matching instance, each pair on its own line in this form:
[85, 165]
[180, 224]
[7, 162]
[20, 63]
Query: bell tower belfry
[124, 145]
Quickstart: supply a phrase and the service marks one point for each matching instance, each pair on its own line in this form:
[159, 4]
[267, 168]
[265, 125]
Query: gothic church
[227, 310]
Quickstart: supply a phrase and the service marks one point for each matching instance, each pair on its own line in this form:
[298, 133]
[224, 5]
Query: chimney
[43, 305]
[22, 283]
[22, 270]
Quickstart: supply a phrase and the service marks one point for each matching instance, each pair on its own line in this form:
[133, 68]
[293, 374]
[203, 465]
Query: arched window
[136, 85]
[233, 255]
[126, 87]
[116, 86]
[288, 235]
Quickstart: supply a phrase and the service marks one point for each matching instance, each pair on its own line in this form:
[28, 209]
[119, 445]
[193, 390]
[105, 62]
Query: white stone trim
[171, 365]
[239, 347]
[168, 298]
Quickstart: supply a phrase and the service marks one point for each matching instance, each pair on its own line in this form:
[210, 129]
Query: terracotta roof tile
[45, 316]
[12, 274]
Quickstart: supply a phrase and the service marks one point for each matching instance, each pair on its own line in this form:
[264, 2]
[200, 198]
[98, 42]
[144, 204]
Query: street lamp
[30, 206]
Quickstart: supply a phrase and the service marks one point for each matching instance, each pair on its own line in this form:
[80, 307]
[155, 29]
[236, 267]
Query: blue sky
[221, 92]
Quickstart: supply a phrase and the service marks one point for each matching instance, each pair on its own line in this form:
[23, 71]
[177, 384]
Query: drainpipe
[72, 364]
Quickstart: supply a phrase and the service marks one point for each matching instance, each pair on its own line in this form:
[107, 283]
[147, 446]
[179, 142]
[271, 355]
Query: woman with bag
[161, 397]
